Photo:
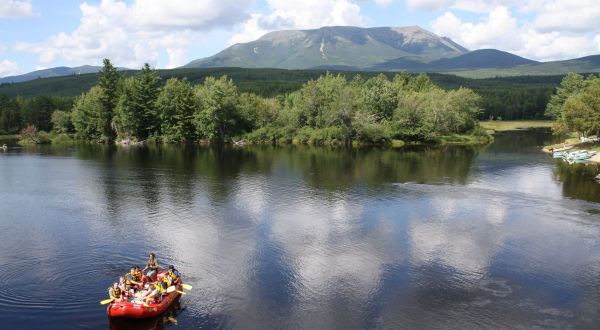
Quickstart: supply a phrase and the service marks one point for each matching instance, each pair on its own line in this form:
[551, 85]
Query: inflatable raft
[131, 309]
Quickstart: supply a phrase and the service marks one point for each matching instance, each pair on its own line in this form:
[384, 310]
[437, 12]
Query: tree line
[576, 105]
[329, 109]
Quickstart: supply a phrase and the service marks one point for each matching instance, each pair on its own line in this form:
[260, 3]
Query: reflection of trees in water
[339, 170]
[578, 181]
[522, 141]
[143, 172]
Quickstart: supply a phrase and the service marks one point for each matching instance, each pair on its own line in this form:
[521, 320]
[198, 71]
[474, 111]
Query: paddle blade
[181, 292]
[186, 286]
[171, 289]
[106, 301]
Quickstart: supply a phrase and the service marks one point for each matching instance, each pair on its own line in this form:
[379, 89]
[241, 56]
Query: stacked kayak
[137, 310]
[574, 156]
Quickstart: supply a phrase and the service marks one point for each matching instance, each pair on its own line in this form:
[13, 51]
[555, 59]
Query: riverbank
[454, 139]
[573, 140]
[512, 125]
[9, 137]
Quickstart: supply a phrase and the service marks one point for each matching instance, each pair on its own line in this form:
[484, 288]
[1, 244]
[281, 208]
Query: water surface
[500, 236]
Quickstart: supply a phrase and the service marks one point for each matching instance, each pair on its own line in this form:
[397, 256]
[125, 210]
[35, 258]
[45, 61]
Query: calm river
[500, 236]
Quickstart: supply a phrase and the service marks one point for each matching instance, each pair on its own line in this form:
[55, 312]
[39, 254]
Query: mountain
[411, 48]
[477, 59]
[341, 47]
[348, 48]
[52, 72]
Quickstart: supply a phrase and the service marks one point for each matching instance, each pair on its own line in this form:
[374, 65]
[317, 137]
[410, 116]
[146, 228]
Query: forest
[507, 98]
[331, 109]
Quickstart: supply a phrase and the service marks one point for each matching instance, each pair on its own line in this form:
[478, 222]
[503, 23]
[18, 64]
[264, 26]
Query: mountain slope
[588, 64]
[477, 59]
[52, 72]
[59, 71]
[337, 46]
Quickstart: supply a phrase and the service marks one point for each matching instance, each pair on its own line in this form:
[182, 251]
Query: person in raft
[173, 274]
[151, 268]
[159, 288]
[115, 292]
[133, 279]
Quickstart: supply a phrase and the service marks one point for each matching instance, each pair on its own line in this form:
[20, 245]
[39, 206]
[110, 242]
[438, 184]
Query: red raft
[129, 309]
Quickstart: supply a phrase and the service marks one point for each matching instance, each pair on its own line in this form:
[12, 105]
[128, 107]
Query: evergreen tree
[85, 115]
[10, 117]
[136, 109]
[109, 82]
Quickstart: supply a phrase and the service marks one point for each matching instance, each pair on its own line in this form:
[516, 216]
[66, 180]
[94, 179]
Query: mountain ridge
[347, 46]
[351, 48]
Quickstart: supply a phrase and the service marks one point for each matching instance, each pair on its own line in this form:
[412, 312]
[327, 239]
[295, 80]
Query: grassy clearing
[397, 144]
[464, 139]
[511, 125]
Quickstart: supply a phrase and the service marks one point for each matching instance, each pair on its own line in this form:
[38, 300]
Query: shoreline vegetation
[575, 108]
[331, 110]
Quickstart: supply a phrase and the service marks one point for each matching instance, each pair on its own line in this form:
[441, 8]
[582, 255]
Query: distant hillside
[338, 46]
[59, 71]
[267, 82]
[588, 64]
[52, 72]
[477, 59]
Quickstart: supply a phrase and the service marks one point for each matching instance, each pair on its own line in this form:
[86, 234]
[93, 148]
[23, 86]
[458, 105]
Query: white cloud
[8, 68]
[466, 5]
[383, 3]
[15, 8]
[308, 14]
[561, 15]
[501, 30]
[132, 34]
[201, 15]
[498, 29]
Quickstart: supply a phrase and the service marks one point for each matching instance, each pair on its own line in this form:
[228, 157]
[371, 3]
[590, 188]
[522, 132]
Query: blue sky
[37, 34]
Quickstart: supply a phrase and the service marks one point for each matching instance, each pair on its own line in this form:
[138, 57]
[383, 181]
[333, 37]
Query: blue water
[501, 236]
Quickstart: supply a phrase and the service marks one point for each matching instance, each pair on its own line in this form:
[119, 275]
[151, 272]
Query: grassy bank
[465, 139]
[511, 125]
[48, 138]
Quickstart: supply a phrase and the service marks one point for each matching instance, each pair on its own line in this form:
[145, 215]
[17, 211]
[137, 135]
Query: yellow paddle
[174, 289]
[106, 301]
[186, 286]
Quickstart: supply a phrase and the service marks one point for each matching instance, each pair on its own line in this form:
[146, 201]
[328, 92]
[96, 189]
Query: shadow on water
[155, 323]
[578, 180]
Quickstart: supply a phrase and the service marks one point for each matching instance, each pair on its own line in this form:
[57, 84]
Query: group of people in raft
[147, 289]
